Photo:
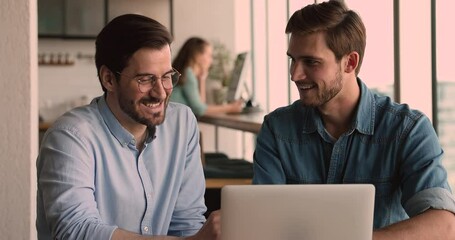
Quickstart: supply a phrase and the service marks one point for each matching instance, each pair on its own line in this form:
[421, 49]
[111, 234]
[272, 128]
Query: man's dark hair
[123, 36]
[343, 28]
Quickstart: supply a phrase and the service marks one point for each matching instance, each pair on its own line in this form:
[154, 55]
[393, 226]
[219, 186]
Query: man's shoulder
[387, 107]
[79, 118]
[180, 113]
[289, 117]
[178, 108]
[295, 109]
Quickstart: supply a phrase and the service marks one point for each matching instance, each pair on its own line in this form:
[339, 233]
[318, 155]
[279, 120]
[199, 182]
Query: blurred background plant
[220, 68]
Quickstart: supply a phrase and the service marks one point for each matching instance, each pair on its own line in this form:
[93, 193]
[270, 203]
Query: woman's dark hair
[187, 54]
[343, 28]
[123, 36]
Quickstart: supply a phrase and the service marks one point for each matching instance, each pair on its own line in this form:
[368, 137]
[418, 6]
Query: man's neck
[139, 131]
[339, 112]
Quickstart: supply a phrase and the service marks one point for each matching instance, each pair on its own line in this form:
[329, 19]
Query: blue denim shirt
[92, 178]
[388, 145]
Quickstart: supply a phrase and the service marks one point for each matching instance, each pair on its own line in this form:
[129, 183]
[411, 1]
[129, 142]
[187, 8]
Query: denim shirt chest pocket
[374, 160]
[367, 159]
[301, 157]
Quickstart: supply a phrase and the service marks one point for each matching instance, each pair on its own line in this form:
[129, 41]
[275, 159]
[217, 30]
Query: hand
[211, 229]
[236, 106]
[202, 77]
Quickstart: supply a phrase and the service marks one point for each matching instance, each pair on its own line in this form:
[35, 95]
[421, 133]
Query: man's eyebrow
[152, 74]
[304, 57]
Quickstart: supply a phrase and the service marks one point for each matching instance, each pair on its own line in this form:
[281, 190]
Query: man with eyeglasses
[126, 166]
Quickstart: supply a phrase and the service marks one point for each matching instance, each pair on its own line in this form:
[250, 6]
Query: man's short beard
[329, 94]
[128, 108]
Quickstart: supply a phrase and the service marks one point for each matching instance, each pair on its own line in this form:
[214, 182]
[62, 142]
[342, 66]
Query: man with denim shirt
[341, 132]
[128, 165]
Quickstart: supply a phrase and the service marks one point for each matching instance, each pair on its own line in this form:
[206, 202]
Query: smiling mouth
[306, 86]
[153, 105]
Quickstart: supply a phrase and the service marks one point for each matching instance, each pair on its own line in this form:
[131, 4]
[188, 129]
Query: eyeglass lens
[168, 81]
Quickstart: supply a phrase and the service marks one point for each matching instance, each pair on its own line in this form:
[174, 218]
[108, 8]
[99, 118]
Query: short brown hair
[343, 28]
[123, 36]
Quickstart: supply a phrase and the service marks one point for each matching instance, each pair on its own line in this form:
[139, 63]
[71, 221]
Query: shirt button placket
[146, 229]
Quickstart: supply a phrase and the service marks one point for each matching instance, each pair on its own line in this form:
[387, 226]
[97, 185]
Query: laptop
[293, 212]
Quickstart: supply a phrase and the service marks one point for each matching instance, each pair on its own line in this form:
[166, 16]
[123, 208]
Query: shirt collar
[363, 121]
[365, 116]
[117, 130]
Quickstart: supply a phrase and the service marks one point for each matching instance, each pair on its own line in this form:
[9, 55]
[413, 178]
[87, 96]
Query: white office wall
[62, 86]
[19, 141]
[211, 20]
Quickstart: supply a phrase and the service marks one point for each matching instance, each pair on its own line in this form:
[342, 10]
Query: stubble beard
[326, 94]
[129, 108]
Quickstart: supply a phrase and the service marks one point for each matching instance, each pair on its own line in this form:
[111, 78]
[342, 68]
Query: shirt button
[146, 229]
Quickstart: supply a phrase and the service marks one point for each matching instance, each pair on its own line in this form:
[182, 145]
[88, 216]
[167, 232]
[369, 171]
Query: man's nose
[297, 72]
[158, 90]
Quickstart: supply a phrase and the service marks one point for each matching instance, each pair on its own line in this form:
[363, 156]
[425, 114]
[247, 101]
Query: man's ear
[352, 61]
[107, 78]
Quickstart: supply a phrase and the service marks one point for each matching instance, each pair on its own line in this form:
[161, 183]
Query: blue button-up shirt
[388, 145]
[92, 179]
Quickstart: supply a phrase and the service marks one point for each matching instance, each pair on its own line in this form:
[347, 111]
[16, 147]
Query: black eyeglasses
[147, 82]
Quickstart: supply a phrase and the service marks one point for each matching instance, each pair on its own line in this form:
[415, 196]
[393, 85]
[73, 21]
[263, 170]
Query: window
[377, 69]
[445, 76]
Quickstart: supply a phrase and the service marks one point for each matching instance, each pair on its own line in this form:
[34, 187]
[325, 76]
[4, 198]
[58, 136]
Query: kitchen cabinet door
[71, 18]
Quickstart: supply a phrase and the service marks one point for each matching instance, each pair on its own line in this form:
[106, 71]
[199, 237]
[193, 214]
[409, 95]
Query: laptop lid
[290, 212]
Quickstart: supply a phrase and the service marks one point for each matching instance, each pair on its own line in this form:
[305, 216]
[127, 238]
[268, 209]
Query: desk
[248, 122]
[218, 183]
[43, 126]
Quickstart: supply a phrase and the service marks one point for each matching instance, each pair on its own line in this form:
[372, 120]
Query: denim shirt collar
[363, 121]
[118, 131]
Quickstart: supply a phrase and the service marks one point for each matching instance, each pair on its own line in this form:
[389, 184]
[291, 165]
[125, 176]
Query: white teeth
[153, 105]
[306, 86]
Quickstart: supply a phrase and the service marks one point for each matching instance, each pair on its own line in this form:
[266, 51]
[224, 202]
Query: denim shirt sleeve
[65, 180]
[424, 179]
[267, 164]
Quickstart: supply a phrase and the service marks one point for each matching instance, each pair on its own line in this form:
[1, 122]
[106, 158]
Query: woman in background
[193, 61]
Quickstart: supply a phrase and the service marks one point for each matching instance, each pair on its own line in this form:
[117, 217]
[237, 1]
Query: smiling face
[314, 69]
[127, 102]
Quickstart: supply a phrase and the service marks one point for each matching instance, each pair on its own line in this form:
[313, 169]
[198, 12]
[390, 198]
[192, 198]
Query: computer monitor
[238, 75]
